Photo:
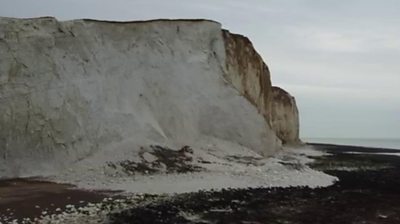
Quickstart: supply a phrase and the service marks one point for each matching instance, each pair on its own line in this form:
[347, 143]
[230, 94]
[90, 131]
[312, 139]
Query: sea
[366, 142]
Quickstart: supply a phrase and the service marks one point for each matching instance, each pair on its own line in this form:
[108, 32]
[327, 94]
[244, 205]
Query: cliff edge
[98, 89]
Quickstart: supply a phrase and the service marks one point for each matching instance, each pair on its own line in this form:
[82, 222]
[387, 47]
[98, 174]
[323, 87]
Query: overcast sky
[339, 58]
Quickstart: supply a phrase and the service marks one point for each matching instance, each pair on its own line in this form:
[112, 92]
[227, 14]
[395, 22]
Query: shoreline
[367, 180]
[368, 193]
[354, 148]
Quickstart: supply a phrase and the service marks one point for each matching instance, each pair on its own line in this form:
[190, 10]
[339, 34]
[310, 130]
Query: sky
[339, 58]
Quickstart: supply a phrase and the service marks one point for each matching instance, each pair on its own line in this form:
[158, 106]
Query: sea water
[366, 142]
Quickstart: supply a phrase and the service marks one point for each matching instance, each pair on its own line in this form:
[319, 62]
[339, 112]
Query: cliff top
[114, 21]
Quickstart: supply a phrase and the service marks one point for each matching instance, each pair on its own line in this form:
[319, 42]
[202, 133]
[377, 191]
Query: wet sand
[28, 198]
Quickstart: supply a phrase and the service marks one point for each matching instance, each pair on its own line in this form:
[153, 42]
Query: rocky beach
[366, 192]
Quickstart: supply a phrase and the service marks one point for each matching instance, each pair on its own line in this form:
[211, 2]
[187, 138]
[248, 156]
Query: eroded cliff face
[285, 116]
[70, 90]
[249, 74]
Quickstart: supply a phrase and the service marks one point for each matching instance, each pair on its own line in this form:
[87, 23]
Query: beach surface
[367, 191]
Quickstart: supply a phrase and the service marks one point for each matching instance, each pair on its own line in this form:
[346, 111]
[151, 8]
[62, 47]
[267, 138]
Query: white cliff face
[76, 89]
[248, 73]
[285, 116]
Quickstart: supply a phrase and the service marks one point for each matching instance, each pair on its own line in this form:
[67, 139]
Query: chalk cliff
[285, 116]
[69, 90]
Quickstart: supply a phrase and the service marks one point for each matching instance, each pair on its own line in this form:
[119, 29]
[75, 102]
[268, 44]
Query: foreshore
[367, 192]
